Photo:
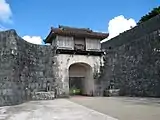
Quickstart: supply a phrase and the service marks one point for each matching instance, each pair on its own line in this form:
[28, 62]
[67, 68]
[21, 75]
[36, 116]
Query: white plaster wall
[65, 42]
[93, 44]
[64, 62]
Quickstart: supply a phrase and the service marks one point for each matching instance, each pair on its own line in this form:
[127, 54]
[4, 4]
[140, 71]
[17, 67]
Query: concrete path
[59, 109]
[123, 108]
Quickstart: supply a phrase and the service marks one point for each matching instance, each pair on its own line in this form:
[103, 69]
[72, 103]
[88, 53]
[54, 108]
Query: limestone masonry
[24, 68]
[74, 60]
[132, 61]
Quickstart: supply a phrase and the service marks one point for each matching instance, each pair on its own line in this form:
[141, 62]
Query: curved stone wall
[24, 68]
[132, 61]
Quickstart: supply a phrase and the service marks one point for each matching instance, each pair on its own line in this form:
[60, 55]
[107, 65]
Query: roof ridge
[74, 28]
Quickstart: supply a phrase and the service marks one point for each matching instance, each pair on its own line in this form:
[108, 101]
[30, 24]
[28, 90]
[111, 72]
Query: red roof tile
[77, 32]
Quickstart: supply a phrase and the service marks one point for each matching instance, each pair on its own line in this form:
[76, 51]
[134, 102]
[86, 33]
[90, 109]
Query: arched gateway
[81, 79]
[78, 58]
[77, 71]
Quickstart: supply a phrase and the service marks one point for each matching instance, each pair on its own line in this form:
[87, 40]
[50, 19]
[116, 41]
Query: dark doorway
[80, 79]
[76, 85]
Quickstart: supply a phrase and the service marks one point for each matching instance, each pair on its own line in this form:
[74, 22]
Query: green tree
[151, 14]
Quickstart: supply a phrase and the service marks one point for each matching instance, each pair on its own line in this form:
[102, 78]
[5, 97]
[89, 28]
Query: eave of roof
[76, 32]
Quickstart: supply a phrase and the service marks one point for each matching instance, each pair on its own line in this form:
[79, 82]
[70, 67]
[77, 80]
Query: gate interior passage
[76, 85]
[80, 79]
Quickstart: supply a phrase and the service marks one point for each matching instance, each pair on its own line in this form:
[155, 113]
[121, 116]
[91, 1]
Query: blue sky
[35, 17]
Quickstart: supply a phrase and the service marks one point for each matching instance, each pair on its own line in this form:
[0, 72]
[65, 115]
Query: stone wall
[24, 68]
[132, 61]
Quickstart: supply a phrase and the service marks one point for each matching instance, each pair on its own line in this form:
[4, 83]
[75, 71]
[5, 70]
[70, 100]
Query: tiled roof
[77, 32]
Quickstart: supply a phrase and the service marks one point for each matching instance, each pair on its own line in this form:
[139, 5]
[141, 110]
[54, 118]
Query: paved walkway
[59, 109]
[123, 108]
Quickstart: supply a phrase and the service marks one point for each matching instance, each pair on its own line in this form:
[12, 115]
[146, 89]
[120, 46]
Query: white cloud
[118, 25]
[2, 28]
[33, 39]
[5, 11]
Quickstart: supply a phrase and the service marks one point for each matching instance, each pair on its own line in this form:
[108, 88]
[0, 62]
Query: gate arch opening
[81, 79]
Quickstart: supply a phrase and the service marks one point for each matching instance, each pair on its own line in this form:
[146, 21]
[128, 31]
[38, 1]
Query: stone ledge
[43, 96]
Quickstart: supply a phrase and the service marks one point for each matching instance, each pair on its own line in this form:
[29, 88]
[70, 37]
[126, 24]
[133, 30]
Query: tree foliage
[151, 14]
